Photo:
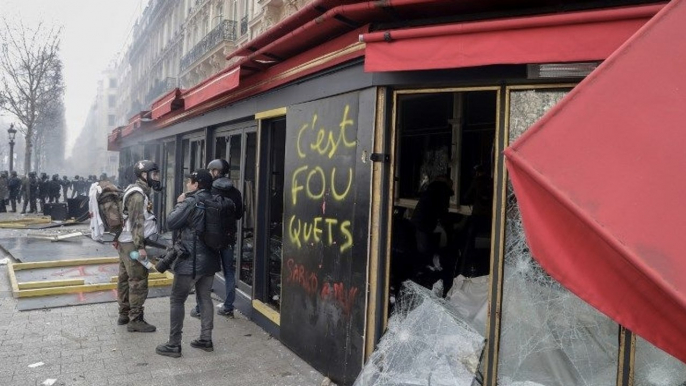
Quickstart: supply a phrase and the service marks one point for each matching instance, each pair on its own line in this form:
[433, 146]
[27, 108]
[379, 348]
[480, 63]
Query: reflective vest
[150, 224]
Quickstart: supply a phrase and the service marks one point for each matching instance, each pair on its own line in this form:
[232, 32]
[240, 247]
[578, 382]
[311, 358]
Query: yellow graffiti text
[316, 183]
[326, 142]
[336, 232]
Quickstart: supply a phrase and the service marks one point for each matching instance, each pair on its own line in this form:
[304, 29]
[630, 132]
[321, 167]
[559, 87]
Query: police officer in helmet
[140, 223]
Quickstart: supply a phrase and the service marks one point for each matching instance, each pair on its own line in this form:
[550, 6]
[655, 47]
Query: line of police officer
[31, 188]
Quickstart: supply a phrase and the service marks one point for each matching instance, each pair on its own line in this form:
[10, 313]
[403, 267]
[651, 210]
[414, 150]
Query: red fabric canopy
[167, 103]
[598, 182]
[212, 87]
[569, 37]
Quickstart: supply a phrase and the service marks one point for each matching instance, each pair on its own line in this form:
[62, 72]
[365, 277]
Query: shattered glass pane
[426, 343]
[436, 163]
[654, 367]
[548, 335]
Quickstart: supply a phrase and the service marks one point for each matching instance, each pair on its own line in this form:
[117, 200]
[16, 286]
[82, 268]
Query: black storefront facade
[330, 162]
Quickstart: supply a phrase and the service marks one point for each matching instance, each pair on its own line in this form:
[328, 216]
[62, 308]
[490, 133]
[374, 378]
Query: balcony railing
[159, 89]
[226, 30]
[244, 25]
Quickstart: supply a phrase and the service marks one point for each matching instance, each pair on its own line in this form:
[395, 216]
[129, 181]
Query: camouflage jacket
[135, 208]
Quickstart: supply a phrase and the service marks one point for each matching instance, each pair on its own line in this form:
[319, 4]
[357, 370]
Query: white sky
[94, 33]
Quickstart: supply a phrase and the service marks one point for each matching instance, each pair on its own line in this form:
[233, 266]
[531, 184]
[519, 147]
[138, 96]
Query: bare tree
[30, 77]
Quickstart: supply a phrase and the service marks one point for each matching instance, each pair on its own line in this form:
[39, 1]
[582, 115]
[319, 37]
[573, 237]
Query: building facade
[101, 119]
[336, 121]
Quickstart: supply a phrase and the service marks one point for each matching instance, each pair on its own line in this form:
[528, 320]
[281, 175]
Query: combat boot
[140, 325]
[123, 319]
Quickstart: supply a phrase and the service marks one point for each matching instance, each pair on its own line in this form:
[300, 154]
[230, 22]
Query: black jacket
[224, 187]
[433, 206]
[187, 218]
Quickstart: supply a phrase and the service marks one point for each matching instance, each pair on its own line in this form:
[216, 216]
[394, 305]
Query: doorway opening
[443, 189]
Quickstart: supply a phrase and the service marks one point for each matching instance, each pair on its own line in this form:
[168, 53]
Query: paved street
[82, 345]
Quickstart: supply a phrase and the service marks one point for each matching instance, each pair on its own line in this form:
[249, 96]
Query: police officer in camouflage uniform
[132, 286]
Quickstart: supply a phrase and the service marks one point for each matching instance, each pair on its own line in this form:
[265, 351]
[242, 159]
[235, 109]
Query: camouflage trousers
[132, 286]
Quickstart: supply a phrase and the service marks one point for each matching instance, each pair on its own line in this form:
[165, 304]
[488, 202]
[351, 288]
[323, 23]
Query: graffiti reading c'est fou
[326, 142]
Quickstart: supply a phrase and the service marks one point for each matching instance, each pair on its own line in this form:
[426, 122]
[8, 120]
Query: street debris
[37, 364]
[58, 237]
[49, 382]
[4, 261]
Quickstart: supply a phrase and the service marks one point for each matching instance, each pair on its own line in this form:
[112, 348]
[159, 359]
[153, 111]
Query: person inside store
[431, 220]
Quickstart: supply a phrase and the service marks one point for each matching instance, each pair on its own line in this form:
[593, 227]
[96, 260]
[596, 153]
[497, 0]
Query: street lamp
[12, 133]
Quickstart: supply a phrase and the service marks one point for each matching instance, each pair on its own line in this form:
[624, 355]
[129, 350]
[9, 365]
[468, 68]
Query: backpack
[219, 213]
[109, 203]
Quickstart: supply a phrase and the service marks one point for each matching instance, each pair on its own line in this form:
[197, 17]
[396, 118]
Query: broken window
[548, 335]
[655, 367]
[427, 343]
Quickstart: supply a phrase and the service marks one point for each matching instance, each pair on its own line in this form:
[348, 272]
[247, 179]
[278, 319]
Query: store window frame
[491, 358]
[171, 191]
[393, 191]
[456, 205]
[193, 143]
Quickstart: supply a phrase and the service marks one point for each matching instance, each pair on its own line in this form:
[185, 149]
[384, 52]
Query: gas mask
[153, 180]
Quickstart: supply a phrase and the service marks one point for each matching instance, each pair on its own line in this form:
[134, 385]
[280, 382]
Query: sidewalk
[83, 345]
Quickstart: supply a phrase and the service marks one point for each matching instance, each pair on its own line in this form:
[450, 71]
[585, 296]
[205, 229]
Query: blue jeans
[228, 259]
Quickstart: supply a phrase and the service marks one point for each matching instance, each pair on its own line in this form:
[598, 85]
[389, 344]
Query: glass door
[193, 154]
[168, 180]
[238, 147]
[268, 265]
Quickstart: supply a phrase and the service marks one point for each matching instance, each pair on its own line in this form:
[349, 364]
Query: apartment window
[110, 120]
[111, 101]
[113, 82]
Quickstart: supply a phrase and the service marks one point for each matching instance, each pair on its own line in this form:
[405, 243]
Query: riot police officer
[75, 186]
[14, 185]
[30, 190]
[4, 191]
[66, 184]
[54, 188]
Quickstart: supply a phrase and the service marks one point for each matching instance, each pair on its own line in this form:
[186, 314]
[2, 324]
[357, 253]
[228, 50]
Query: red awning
[600, 188]
[127, 130]
[113, 139]
[568, 37]
[167, 103]
[217, 85]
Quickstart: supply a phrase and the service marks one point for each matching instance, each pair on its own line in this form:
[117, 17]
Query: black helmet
[219, 164]
[76, 177]
[13, 173]
[32, 174]
[148, 167]
[44, 175]
[55, 177]
[65, 177]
